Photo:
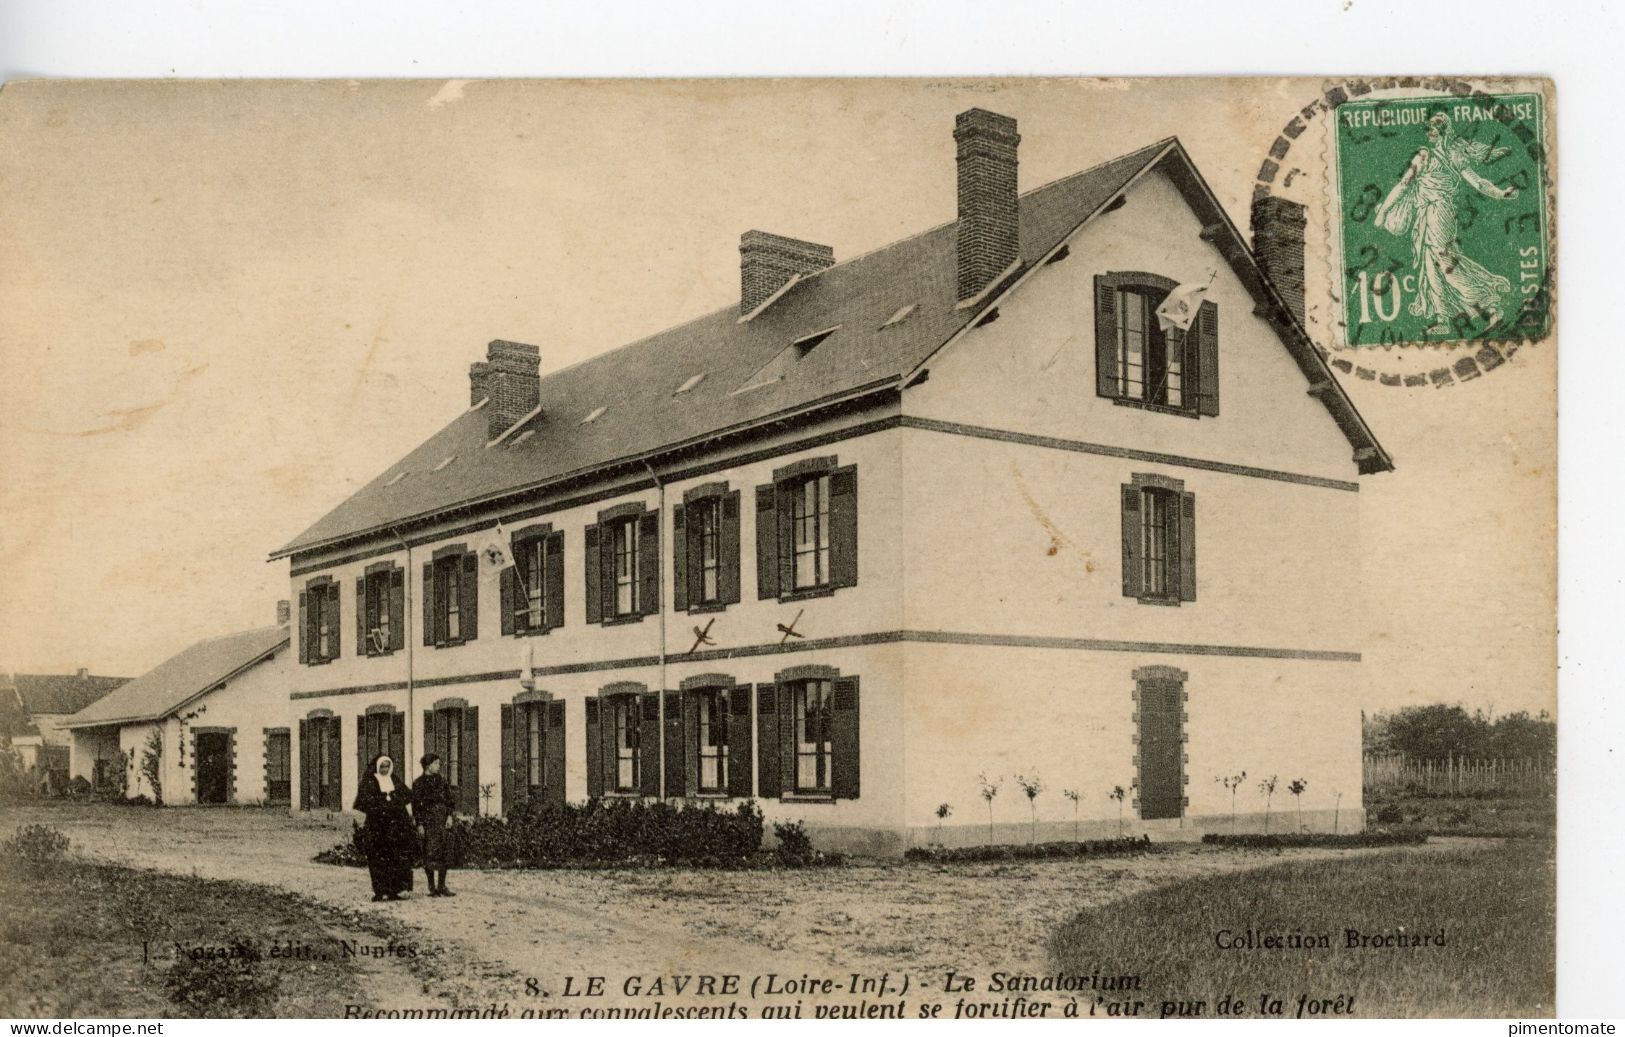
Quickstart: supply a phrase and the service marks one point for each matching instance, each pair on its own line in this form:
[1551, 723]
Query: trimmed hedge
[1258, 840]
[1120, 846]
[597, 833]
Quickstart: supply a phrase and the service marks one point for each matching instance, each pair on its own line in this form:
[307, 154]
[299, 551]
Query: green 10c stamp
[1442, 219]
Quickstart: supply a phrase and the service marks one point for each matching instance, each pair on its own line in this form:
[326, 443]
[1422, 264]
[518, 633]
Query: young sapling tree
[1032, 787]
[990, 790]
[1231, 783]
[943, 810]
[1072, 794]
[1296, 788]
[1267, 787]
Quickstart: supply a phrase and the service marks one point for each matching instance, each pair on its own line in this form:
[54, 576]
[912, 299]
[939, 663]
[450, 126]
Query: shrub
[230, 984]
[1260, 841]
[1030, 851]
[1390, 815]
[795, 848]
[35, 845]
[596, 833]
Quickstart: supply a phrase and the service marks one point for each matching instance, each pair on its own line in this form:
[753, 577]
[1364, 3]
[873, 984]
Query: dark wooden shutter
[728, 548]
[608, 543]
[785, 509]
[843, 527]
[787, 738]
[553, 578]
[595, 749]
[1207, 359]
[397, 609]
[679, 558]
[363, 643]
[1133, 568]
[471, 596]
[844, 757]
[649, 744]
[428, 603]
[649, 563]
[471, 758]
[509, 592]
[304, 630]
[767, 542]
[333, 619]
[609, 750]
[554, 733]
[767, 742]
[1187, 547]
[397, 742]
[307, 764]
[1105, 338]
[680, 756]
[335, 765]
[509, 762]
[361, 748]
[594, 573]
[739, 742]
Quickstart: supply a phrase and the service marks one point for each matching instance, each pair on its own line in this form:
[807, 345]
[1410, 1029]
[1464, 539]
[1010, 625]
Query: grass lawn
[90, 940]
[1495, 905]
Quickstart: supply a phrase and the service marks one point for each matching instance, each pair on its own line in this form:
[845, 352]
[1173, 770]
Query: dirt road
[507, 926]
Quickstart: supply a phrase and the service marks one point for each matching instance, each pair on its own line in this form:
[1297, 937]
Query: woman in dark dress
[387, 837]
[432, 807]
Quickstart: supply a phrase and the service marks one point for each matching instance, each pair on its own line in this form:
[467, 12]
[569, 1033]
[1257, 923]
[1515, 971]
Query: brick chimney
[282, 613]
[989, 240]
[511, 382]
[767, 262]
[478, 373]
[83, 673]
[1278, 229]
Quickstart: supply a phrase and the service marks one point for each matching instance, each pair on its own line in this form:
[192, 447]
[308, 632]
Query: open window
[380, 610]
[1138, 362]
[807, 530]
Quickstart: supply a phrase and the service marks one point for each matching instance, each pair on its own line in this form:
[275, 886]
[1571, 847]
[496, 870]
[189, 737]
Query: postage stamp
[1440, 218]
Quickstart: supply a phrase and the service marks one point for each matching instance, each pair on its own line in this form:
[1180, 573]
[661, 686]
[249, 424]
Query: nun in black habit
[388, 838]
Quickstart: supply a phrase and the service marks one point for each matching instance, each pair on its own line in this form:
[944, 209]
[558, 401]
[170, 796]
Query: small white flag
[1181, 306]
[494, 549]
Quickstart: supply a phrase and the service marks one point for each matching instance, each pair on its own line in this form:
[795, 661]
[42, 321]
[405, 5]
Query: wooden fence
[1398, 772]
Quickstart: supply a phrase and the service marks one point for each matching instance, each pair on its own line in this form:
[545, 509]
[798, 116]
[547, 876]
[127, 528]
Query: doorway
[213, 767]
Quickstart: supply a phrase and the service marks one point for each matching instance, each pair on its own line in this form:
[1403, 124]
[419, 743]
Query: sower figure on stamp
[432, 806]
[1423, 206]
[387, 835]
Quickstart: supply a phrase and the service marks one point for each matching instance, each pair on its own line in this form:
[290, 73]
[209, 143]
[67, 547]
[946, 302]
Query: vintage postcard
[847, 549]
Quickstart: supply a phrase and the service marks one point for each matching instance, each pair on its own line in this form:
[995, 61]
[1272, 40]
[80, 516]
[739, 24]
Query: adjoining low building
[35, 706]
[211, 717]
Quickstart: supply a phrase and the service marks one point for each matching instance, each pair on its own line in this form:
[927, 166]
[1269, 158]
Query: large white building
[955, 507]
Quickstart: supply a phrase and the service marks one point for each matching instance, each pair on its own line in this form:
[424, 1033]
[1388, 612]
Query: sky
[226, 306]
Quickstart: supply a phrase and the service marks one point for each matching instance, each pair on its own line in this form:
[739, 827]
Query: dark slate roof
[181, 678]
[637, 383]
[49, 694]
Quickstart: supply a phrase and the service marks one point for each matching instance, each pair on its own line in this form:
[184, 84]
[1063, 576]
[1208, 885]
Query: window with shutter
[811, 709]
[626, 728]
[452, 597]
[525, 586]
[814, 513]
[1159, 540]
[319, 619]
[378, 612]
[278, 776]
[1140, 361]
